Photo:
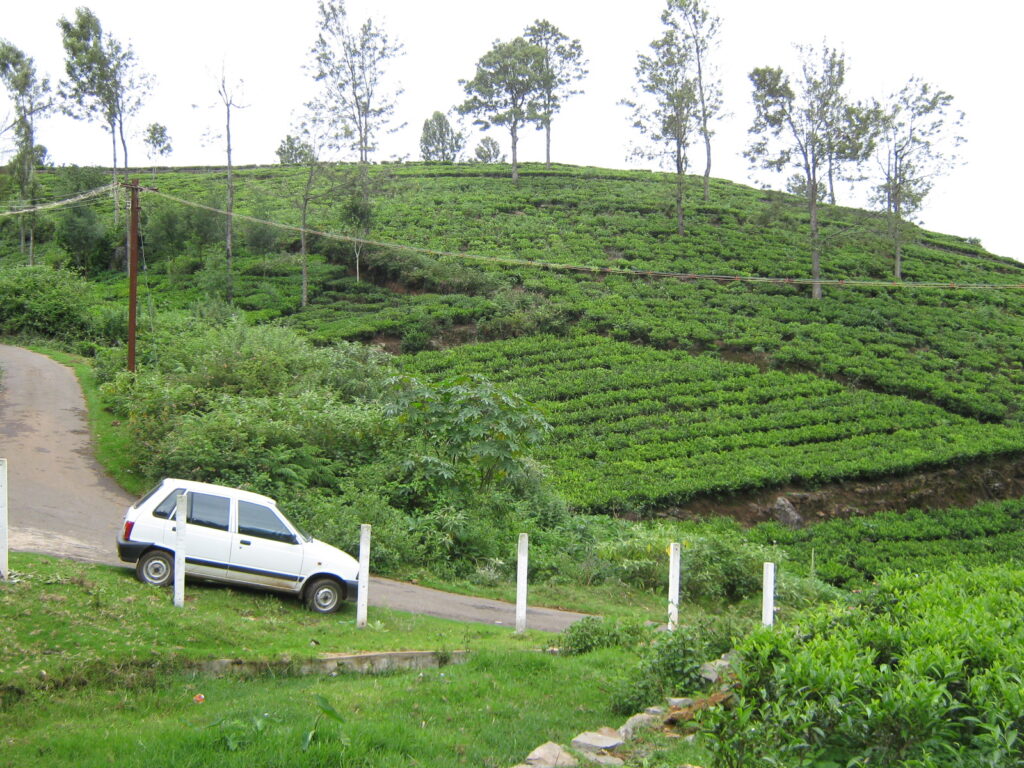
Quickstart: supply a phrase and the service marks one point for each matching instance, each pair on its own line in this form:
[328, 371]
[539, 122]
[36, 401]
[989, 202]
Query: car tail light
[128, 525]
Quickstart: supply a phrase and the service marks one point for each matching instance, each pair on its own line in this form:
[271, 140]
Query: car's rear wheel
[324, 596]
[156, 567]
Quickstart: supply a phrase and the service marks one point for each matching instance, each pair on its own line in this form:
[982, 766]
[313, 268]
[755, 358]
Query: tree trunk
[812, 202]
[230, 208]
[547, 145]
[704, 125]
[302, 250]
[515, 157]
[113, 172]
[680, 176]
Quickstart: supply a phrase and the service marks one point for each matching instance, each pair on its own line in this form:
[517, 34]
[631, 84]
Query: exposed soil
[997, 478]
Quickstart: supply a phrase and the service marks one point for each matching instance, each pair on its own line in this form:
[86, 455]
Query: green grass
[95, 671]
[489, 712]
[77, 622]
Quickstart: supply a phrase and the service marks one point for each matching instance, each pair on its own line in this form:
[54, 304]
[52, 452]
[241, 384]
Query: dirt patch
[972, 483]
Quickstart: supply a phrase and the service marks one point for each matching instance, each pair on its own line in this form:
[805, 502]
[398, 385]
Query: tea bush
[926, 670]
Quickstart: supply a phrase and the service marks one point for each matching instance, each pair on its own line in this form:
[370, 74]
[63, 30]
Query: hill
[668, 392]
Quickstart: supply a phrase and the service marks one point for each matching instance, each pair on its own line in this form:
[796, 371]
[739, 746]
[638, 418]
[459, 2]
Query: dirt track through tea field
[62, 503]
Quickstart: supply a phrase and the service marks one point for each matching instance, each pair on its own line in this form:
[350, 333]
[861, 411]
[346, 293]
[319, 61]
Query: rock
[638, 722]
[654, 711]
[715, 671]
[550, 754]
[784, 512]
[680, 703]
[601, 759]
[592, 741]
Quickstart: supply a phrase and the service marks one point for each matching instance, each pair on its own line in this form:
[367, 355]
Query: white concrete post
[522, 569]
[362, 599]
[673, 586]
[4, 572]
[180, 521]
[768, 595]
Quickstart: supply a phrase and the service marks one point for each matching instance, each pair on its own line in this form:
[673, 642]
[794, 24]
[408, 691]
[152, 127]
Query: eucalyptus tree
[157, 141]
[563, 66]
[698, 28]
[917, 140]
[316, 136]
[802, 124]
[506, 90]
[30, 97]
[488, 151]
[228, 91]
[351, 65]
[667, 107]
[439, 141]
[104, 81]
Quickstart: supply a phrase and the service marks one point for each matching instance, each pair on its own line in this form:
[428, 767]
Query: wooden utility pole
[133, 270]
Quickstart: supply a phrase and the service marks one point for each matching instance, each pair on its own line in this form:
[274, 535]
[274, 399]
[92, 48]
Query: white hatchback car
[236, 537]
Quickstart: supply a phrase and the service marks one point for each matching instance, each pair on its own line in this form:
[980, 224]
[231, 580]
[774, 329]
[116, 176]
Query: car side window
[261, 521]
[165, 508]
[208, 510]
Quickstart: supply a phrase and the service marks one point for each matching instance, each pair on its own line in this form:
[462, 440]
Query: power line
[60, 203]
[538, 264]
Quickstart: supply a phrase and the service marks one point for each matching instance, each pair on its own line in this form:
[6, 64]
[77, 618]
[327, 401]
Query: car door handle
[245, 542]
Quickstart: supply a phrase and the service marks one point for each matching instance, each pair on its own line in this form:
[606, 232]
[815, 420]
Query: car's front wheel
[324, 596]
[156, 567]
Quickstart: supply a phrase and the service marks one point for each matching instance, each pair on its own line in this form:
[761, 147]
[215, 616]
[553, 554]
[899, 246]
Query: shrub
[926, 665]
[671, 666]
[46, 302]
[595, 632]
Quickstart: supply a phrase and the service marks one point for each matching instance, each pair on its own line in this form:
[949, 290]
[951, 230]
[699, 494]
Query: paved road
[61, 502]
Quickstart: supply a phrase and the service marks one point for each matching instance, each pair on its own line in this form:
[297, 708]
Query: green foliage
[44, 302]
[440, 142]
[467, 424]
[852, 553]
[671, 665]
[594, 632]
[927, 665]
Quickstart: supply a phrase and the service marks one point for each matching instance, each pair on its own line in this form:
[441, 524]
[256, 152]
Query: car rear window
[209, 510]
[165, 508]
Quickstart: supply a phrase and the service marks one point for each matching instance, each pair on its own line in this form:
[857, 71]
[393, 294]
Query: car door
[265, 550]
[207, 535]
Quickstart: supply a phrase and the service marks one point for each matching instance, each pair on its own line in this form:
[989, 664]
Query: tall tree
[488, 151]
[668, 110]
[30, 96]
[803, 125]
[158, 142]
[351, 66]
[563, 66]
[506, 90]
[228, 92]
[316, 135]
[104, 81]
[439, 141]
[917, 140]
[699, 30]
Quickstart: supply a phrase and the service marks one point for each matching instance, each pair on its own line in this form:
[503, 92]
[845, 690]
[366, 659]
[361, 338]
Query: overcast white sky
[971, 50]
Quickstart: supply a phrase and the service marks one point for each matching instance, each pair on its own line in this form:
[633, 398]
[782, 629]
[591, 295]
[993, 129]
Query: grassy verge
[89, 648]
[67, 624]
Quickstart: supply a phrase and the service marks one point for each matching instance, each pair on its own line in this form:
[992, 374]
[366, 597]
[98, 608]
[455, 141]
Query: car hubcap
[156, 570]
[325, 598]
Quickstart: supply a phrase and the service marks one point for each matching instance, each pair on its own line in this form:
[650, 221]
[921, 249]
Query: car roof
[239, 493]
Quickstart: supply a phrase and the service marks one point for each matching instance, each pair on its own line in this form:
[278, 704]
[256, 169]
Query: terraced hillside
[660, 389]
